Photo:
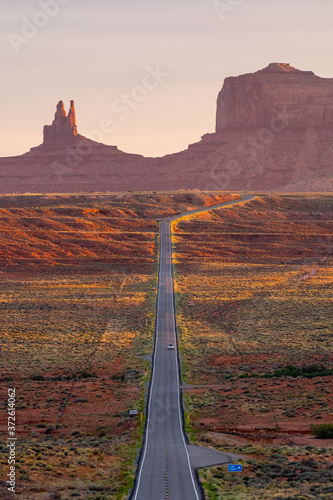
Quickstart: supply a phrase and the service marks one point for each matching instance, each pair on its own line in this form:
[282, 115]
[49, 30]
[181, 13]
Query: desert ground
[78, 293]
[253, 290]
[254, 313]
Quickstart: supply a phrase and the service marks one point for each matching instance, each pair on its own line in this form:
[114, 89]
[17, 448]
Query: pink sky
[144, 75]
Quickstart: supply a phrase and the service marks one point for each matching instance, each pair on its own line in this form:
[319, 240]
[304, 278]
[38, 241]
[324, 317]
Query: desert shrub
[309, 371]
[38, 378]
[86, 374]
[119, 377]
[322, 431]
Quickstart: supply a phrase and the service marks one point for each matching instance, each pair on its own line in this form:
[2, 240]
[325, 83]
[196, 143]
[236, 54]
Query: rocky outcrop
[63, 127]
[274, 132]
[269, 97]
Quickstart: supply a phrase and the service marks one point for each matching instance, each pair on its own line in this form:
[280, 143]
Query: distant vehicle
[171, 347]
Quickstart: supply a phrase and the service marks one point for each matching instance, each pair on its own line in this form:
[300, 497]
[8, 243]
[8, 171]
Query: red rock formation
[274, 132]
[254, 100]
[63, 127]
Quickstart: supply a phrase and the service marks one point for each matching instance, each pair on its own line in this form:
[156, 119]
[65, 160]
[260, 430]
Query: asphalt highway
[165, 471]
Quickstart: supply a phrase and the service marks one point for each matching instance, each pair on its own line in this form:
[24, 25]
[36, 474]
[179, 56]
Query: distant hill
[274, 132]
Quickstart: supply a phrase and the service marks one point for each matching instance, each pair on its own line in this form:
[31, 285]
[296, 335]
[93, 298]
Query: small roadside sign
[235, 468]
[133, 412]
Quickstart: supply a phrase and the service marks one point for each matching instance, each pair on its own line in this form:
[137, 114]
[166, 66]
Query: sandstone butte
[274, 132]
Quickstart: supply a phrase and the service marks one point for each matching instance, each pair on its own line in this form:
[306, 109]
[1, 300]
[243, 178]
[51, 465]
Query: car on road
[171, 347]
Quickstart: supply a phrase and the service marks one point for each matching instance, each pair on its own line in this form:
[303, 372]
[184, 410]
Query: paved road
[165, 471]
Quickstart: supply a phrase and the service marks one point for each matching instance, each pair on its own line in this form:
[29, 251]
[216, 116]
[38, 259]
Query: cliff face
[274, 132]
[68, 162]
[63, 127]
[256, 100]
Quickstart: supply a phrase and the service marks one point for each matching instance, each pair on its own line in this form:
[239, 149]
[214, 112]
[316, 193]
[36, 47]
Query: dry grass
[254, 289]
[78, 285]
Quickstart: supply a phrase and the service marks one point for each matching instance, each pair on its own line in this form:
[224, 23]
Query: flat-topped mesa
[63, 127]
[254, 100]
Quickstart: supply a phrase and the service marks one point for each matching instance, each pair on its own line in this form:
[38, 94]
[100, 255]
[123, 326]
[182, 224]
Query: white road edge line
[176, 343]
[152, 380]
[181, 424]
[177, 375]
[177, 365]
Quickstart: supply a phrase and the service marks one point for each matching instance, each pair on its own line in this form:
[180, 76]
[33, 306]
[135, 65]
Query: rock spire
[63, 127]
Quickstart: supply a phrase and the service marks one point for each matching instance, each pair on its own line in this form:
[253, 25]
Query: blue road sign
[235, 468]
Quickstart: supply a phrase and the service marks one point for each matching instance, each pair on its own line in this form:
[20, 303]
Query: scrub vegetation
[254, 296]
[77, 316]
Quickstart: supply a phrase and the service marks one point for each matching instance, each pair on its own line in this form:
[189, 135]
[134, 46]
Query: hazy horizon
[153, 69]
